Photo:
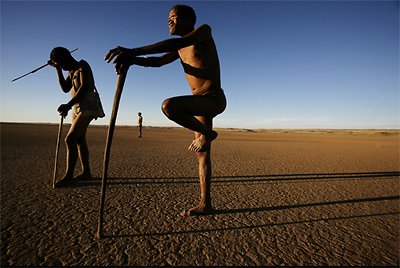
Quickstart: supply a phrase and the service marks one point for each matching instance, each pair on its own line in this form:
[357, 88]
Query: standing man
[140, 121]
[198, 55]
[85, 104]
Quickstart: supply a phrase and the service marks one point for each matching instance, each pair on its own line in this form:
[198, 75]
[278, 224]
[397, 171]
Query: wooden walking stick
[118, 92]
[58, 148]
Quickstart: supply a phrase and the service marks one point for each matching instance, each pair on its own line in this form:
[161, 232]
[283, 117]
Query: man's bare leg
[140, 131]
[78, 128]
[182, 110]
[83, 151]
[204, 159]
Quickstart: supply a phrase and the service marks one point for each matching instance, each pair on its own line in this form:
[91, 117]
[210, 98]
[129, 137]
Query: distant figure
[198, 55]
[140, 122]
[86, 107]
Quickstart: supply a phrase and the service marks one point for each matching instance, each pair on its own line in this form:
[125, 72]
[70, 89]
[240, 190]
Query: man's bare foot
[199, 210]
[85, 175]
[64, 181]
[202, 142]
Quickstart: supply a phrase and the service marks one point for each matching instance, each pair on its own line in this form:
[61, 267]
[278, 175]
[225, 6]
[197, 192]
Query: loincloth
[218, 96]
[90, 105]
[215, 92]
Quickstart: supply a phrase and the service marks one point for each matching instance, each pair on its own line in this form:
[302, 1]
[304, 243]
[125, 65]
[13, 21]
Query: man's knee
[81, 141]
[168, 107]
[70, 139]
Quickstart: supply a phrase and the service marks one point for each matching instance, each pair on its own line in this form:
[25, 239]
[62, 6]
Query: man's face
[64, 64]
[172, 21]
[176, 25]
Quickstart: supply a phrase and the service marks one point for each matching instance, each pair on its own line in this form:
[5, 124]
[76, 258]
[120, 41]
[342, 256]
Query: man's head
[62, 57]
[139, 114]
[181, 20]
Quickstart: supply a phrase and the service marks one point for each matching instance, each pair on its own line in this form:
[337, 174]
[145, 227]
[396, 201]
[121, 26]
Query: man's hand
[52, 63]
[124, 58]
[63, 109]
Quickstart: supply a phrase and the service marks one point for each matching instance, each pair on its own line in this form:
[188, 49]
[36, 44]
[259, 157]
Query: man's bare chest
[75, 80]
[188, 54]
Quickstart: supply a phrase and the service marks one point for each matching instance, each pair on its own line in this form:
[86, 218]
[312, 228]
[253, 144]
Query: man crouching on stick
[197, 52]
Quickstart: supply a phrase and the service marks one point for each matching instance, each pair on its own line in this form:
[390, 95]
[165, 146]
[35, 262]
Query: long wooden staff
[37, 69]
[118, 92]
[57, 149]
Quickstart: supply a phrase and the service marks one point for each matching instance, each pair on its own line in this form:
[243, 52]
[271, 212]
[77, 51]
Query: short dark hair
[186, 12]
[59, 53]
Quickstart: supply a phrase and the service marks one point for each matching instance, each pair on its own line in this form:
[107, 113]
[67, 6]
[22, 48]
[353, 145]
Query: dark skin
[199, 58]
[140, 124]
[76, 137]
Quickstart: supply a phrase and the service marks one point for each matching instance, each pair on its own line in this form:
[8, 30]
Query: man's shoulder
[84, 65]
[202, 33]
[204, 27]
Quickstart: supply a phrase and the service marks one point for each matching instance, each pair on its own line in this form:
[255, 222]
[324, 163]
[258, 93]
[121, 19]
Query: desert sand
[281, 197]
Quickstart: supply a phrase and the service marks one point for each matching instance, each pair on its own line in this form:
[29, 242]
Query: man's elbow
[65, 89]
[157, 64]
[160, 62]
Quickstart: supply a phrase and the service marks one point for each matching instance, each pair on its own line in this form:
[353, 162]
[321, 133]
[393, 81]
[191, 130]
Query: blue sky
[284, 64]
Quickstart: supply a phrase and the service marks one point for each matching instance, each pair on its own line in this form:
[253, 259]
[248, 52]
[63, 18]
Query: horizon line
[222, 128]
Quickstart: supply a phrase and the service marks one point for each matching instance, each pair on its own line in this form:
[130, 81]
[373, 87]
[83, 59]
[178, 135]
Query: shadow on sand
[247, 227]
[233, 179]
[257, 178]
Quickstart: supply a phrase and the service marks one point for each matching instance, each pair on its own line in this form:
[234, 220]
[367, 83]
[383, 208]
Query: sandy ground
[309, 198]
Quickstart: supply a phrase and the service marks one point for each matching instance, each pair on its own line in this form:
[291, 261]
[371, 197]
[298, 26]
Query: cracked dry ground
[280, 199]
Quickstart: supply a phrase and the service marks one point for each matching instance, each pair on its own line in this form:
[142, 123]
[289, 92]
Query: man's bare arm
[124, 55]
[157, 61]
[198, 35]
[65, 84]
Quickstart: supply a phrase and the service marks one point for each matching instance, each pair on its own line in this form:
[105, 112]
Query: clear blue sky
[284, 64]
